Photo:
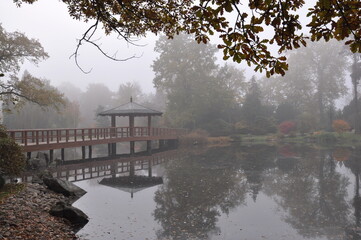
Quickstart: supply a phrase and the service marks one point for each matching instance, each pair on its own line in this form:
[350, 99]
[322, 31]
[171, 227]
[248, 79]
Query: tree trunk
[355, 103]
[355, 77]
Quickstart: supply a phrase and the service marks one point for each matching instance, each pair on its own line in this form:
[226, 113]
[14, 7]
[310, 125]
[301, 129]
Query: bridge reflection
[112, 167]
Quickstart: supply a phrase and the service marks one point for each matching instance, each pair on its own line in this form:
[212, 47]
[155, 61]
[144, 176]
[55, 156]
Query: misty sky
[49, 22]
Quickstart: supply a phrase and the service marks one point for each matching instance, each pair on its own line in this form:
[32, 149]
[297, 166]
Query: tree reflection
[354, 164]
[255, 161]
[306, 183]
[312, 194]
[196, 190]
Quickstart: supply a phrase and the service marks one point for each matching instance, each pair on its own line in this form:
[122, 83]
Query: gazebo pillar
[149, 168]
[113, 121]
[113, 146]
[131, 168]
[131, 133]
[149, 142]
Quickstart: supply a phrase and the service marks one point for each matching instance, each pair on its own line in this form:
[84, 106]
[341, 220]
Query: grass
[10, 189]
[347, 139]
[196, 137]
[219, 141]
[257, 138]
[321, 138]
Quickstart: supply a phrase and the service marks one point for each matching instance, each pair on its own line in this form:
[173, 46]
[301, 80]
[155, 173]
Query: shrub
[12, 160]
[306, 122]
[241, 127]
[341, 154]
[287, 127]
[260, 126]
[197, 136]
[219, 127]
[236, 138]
[340, 126]
[2, 182]
[326, 137]
[219, 140]
[264, 125]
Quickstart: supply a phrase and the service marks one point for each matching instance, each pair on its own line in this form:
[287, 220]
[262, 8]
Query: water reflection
[310, 193]
[198, 188]
[238, 192]
[95, 168]
[132, 183]
[354, 163]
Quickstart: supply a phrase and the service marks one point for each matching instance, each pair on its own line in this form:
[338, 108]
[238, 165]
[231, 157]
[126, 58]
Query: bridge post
[62, 154]
[161, 143]
[114, 169]
[83, 152]
[132, 151]
[149, 124]
[90, 151]
[149, 168]
[51, 155]
[131, 134]
[109, 149]
[114, 149]
[132, 169]
[149, 147]
[114, 135]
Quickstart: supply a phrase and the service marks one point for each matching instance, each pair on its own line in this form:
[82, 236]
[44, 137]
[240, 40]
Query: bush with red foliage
[340, 126]
[286, 127]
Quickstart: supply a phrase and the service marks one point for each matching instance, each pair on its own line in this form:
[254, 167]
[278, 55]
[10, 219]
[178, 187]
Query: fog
[50, 23]
[205, 92]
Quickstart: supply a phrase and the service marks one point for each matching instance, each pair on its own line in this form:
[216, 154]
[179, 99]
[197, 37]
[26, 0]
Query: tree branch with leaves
[239, 24]
[15, 48]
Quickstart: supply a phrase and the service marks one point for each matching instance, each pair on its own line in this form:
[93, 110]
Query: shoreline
[25, 215]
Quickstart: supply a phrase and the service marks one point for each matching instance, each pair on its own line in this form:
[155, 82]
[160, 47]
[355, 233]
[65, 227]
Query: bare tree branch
[87, 38]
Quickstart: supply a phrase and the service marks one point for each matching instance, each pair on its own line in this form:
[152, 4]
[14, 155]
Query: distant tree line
[196, 92]
[203, 94]
[81, 107]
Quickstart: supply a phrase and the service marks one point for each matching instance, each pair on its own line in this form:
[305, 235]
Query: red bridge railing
[27, 137]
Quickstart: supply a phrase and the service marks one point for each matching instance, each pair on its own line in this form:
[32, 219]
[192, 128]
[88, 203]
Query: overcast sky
[49, 22]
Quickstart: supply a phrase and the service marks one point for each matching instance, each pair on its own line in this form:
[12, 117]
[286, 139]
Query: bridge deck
[47, 139]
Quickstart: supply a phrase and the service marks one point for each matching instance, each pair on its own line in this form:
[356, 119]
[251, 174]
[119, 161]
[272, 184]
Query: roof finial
[131, 99]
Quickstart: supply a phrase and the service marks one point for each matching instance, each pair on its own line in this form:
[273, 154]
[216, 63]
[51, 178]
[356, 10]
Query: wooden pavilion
[131, 110]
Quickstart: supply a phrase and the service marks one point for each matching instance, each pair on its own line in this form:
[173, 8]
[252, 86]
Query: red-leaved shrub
[340, 126]
[286, 127]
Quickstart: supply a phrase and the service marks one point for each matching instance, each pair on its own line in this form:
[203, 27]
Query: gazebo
[131, 110]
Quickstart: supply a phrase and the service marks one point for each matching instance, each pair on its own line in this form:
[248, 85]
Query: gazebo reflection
[132, 183]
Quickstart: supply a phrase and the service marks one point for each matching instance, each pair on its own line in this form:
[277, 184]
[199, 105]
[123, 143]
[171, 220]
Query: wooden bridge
[33, 140]
[49, 139]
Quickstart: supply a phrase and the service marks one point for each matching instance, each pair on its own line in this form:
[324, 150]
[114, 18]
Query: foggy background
[50, 23]
[111, 83]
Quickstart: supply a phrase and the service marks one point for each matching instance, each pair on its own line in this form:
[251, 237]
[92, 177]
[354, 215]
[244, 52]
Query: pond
[234, 192]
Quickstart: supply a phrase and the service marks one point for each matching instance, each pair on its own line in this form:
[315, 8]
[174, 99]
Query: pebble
[26, 216]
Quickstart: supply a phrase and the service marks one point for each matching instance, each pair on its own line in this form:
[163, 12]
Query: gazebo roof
[131, 184]
[131, 109]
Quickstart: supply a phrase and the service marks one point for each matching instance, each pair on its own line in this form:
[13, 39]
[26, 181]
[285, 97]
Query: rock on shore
[26, 216]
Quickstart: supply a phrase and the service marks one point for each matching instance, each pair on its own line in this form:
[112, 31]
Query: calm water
[239, 192]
